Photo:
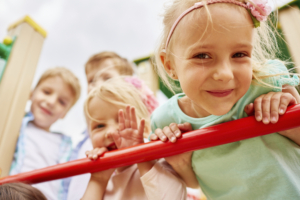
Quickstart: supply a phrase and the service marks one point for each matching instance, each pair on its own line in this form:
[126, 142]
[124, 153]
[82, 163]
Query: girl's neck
[191, 109]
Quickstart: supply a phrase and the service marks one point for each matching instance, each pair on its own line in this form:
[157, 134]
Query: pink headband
[259, 12]
[147, 95]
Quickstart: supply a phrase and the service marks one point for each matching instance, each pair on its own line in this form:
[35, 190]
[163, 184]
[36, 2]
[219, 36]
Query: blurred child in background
[99, 68]
[110, 128]
[55, 93]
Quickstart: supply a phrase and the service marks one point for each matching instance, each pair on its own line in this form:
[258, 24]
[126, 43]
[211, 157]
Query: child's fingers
[258, 109]
[127, 117]
[169, 133]
[185, 127]
[133, 118]
[99, 152]
[249, 109]
[142, 127]
[160, 135]
[266, 101]
[94, 154]
[286, 100]
[174, 128]
[274, 107]
[121, 120]
[153, 137]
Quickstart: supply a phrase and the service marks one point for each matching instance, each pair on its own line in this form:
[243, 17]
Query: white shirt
[42, 150]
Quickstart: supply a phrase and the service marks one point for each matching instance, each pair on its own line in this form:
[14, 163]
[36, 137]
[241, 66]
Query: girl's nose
[223, 73]
[112, 128]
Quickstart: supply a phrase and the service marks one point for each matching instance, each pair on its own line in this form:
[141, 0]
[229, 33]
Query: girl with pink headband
[118, 116]
[223, 54]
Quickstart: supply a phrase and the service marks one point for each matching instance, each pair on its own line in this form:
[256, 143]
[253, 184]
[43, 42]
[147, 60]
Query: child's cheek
[97, 140]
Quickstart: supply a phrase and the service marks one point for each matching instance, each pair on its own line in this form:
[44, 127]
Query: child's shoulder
[166, 113]
[163, 109]
[275, 74]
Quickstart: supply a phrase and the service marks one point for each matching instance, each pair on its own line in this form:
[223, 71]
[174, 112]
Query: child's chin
[221, 111]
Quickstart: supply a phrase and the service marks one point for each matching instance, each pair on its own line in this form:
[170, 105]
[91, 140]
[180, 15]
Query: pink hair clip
[147, 95]
[259, 9]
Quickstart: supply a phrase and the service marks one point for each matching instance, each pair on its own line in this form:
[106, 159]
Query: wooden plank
[145, 71]
[12, 73]
[15, 89]
[289, 19]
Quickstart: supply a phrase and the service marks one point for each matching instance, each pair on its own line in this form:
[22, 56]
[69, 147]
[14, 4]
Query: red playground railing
[199, 139]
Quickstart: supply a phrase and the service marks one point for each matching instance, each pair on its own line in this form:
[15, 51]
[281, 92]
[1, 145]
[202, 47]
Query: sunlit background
[78, 29]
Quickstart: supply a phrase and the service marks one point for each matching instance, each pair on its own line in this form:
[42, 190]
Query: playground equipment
[199, 139]
[19, 56]
[289, 18]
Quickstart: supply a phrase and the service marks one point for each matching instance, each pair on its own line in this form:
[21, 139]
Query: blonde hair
[120, 93]
[265, 45]
[121, 64]
[20, 191]
[67, 76]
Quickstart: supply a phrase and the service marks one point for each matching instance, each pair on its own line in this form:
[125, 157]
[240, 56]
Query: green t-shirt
[266, 167]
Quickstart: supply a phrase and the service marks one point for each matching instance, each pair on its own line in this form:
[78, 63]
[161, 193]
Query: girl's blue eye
[203, 56]
[239, 55]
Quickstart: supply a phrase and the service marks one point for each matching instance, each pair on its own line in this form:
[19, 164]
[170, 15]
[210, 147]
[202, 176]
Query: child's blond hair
[67, 76]
[121, 64]
[122, 92]
[265, 45]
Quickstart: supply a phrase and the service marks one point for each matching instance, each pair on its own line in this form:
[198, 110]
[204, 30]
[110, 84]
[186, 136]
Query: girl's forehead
[222, 18]
[102, 110]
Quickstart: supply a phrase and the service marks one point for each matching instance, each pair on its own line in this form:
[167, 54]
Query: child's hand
[268, 107]
[171, 132]
[128, 134]
[102, 176]
[95, 153]
[181, 163]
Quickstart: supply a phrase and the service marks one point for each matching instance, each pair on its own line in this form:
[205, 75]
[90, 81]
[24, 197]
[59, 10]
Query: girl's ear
[167, 65]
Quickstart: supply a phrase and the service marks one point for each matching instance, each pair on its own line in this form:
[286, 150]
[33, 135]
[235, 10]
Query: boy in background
[99, 68]
[55, 93]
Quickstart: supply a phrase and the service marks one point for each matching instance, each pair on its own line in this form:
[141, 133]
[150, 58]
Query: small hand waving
[129, 134]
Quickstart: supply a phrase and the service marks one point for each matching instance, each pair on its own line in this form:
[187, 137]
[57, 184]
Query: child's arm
[129, 135]
[293, 134]
[268, 107]
[98, 181]
[181, 163]
[154, 175]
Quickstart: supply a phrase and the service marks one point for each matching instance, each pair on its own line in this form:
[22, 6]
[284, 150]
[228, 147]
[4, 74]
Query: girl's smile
[220, 93]
[45, 110]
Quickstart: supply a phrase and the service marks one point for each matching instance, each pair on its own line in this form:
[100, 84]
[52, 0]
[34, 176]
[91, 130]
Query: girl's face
[214, 68]
[107, 115]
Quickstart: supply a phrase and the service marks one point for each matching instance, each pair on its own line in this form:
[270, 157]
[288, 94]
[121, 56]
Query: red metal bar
[199, 139]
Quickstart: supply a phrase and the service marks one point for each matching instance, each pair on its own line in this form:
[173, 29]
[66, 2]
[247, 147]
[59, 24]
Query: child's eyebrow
[244, 45]
[96, 121]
